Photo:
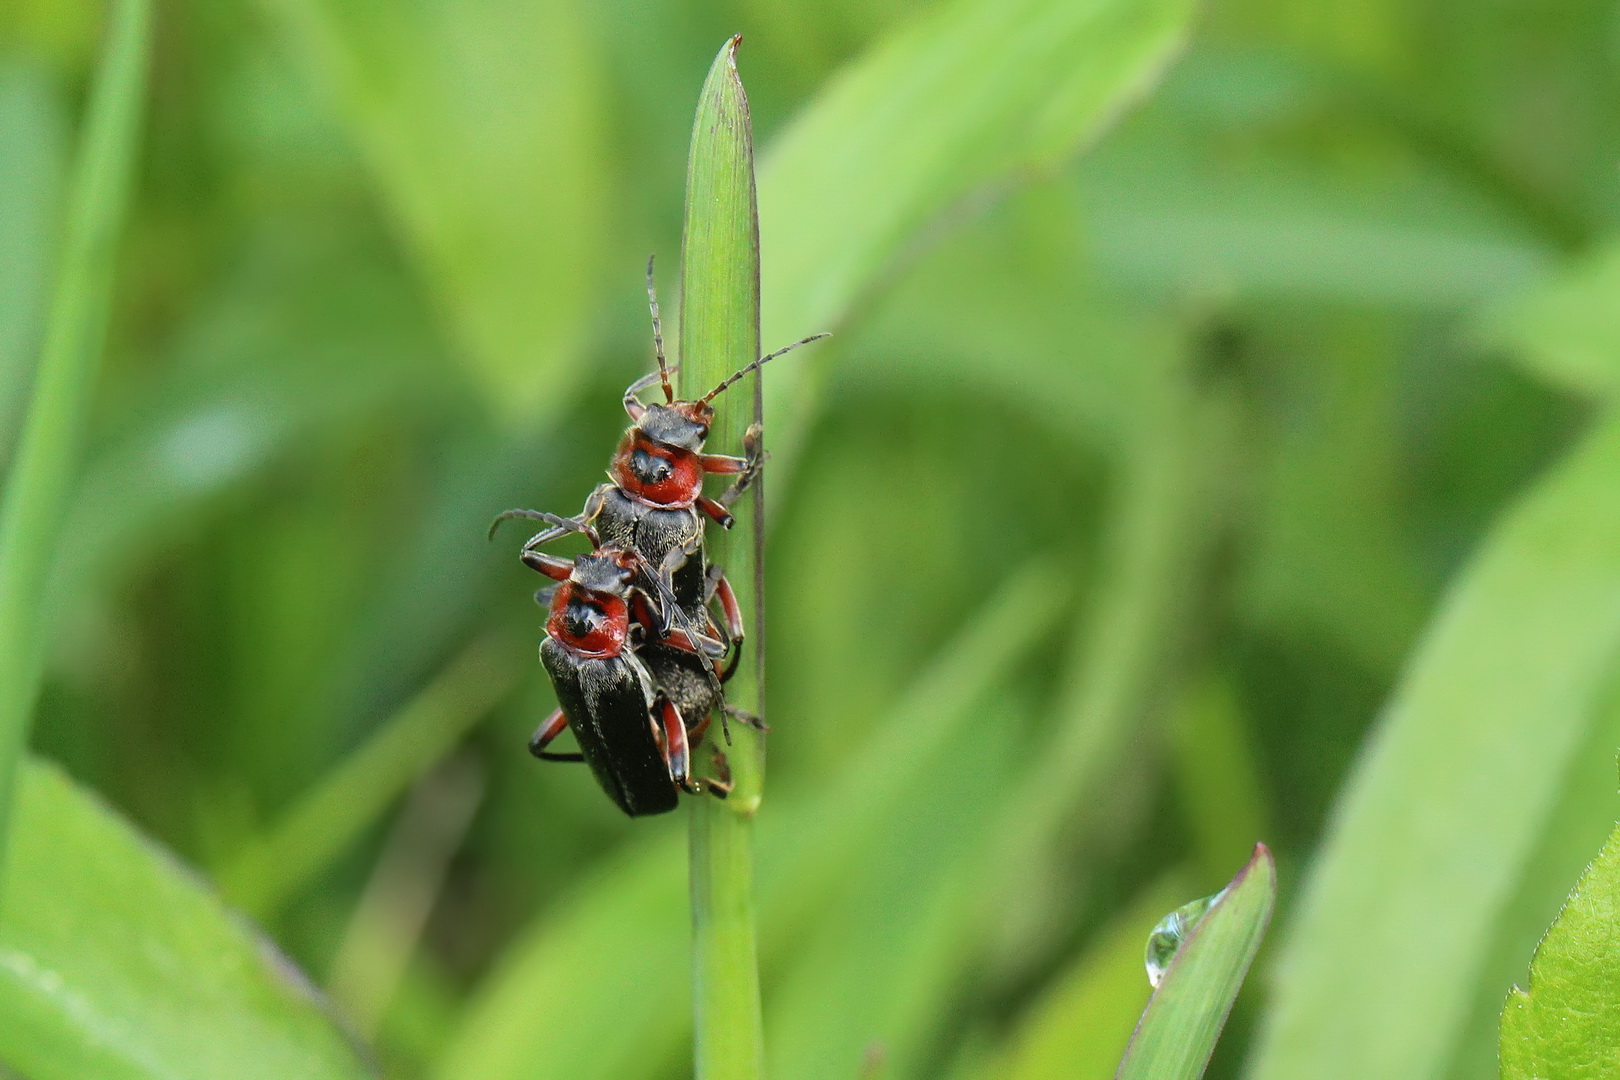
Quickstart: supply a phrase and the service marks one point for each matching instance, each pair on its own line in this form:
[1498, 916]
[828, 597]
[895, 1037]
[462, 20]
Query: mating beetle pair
[632, 647]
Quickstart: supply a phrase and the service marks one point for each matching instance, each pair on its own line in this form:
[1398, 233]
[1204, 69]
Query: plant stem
[720, 334]
[37, 488]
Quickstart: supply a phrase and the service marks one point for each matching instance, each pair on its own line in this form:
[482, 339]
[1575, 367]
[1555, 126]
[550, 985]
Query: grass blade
[1178, 1029]
[38, 485]
[32, 153]
[719, 335]
[962, 101]
[1378, 971]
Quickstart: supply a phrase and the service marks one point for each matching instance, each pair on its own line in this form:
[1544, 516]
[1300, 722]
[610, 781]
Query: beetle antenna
[554, 520]
[658, 334]
[755, 366]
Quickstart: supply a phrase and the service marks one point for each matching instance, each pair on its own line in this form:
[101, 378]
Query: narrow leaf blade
[37, 485]
[962, 101]
[1178, 1029]
[1378, 971]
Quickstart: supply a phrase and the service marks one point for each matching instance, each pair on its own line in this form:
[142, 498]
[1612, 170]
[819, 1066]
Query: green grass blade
[719, 335]
[483, 124]
[1567, 1024]
[1178, 1029]
[355, 794]
[32, 157]
[966, 99]
[38, 484]
[1378, 971]
[118, 964]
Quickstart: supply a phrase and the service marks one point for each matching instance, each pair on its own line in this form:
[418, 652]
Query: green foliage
[720, 335]
[38, 481]
[482, 122]
[1206, 385]
[1178, 1029]
[969, 99]
[1568, 331]
[1566, 1026]
[117, 963]
[1502, 694]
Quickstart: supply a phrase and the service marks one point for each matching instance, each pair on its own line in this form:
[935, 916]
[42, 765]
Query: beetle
[631, 735]
[654, 502]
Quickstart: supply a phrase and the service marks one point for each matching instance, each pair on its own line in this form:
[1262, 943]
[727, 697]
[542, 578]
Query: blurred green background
[1144, 473]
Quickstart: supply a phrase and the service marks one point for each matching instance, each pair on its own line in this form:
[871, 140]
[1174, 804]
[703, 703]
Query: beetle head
[609, 570]
[681, 424]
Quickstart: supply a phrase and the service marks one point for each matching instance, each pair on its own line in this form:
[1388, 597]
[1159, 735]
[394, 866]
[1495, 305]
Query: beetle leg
[694, 735]
[722, 463]
[720, 785]
[552, 566]
[552, 727]
[746, 717]
[677, 752]
[728, 605]
[753, 461]
[722, 517]
[710, 648]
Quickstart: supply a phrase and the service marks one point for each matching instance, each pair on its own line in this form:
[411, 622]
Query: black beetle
[631, 735]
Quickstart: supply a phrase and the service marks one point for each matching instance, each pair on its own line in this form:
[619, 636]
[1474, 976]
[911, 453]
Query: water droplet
[1168, 935]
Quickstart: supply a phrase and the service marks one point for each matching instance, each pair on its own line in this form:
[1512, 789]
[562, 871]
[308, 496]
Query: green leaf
[1567, 331]
[1567, 1025]
[38, 484]
[482, 123]
[719, 336]
[117, 963]
[962, 101]
[1178, 1029]
[1379, 967]
[32, 155]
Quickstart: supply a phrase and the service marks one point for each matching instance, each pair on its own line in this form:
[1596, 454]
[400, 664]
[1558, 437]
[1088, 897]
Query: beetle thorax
[588, 622]
[656, 473]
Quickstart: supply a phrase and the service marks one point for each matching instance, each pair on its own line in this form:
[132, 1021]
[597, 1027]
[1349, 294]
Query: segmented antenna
[658, 334]
[567, 525]
[755, 366]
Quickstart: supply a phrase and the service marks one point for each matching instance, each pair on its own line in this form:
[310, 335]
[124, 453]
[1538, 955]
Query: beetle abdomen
[609, 708]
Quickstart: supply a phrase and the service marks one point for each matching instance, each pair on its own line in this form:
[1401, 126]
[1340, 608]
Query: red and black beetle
[630, 733]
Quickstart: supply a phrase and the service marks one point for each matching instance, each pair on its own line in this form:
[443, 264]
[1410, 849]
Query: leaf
[1567, 331]
[720, 335]
[1378, 970]
[482, 122]
[116, 963]
[1178, 1029]
[961, 101]
[31, 160]
[1567, 1025]
[37, 486]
